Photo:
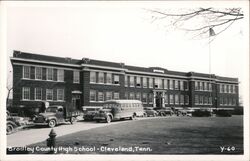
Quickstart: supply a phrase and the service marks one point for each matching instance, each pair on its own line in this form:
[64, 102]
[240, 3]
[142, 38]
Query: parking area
[34, 134]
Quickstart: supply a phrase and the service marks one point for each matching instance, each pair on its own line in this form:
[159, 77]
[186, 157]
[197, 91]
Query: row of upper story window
[203, 86]
[177, 99]
[48, 74]
[51, 94]
[227, 88]
[138, 81]
[159, 83]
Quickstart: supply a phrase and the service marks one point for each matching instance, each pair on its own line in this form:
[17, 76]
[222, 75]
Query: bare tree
[201, 22]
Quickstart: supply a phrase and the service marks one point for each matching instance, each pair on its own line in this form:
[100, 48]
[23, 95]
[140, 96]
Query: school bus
[119, 109]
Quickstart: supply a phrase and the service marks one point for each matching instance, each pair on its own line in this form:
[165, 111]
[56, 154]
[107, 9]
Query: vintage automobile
[89, 112]
[148, 112]
[55, 115]
[13, 123]
[164, 111]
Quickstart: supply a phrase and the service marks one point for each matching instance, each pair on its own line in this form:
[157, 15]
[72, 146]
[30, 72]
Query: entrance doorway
[158, 100]
[76, 102]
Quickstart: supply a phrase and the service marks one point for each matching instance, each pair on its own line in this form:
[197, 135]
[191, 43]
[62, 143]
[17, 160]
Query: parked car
[89, 112]
[150, 112]
[55, 115]
[14, 122]
[164, 111]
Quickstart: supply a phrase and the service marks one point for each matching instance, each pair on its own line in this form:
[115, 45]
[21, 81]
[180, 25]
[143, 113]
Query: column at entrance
[163, 99]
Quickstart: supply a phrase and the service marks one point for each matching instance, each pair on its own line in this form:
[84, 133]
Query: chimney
[16, 53]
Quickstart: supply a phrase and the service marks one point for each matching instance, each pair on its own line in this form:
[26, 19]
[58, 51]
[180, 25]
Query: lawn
[163, 135]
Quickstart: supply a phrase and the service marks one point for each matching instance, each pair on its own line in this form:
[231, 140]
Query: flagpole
[211, 33]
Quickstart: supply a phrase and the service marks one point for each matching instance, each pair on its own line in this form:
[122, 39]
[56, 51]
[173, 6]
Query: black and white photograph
[124, 80]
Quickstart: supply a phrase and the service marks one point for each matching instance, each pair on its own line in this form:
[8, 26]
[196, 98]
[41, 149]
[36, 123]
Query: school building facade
[87, 82]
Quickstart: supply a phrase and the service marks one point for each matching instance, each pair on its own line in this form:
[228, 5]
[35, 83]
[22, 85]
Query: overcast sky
[123, 32]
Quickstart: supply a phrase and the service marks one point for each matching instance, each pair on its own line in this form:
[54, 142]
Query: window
[176, 86]
[165, 82]
[234, 91]
[150, 98]
[100, 96]
[166, 98]
[176, 99]
[38, 71]
[100, 77]
[116, 95]
[126, 95]
[205, 86]
[109, 78]
[49, 73]
[201, 86]
[108, 96]
[26, 93]
[92, 96]
[144, 82]
[186, 99]
[60, 94]
[131, 95]
[144, 97]
[60, 75]
[234, 101]
[126, 81]
[181, 85]
[171, 84]
[201, 100]
[231, 88]
[225, 101]
[196, 86]
[210, 101]
[76, 77]
[138, 96]
[222, 88]
[157, 82]
[49, 94]
[92, 77]
[131, 81]
[150, 82]
[138, 82]
[160, 83]
[205, 100]
[230, 101]
[116, 79]
[171, 99]
[182, 99]
[38, 93]
[196, 99]
[26, 72]
[225, 89]
[210, 86]
[186, 86]
[221, 101]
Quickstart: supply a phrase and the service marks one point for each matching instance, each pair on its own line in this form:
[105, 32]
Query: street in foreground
[164, 135]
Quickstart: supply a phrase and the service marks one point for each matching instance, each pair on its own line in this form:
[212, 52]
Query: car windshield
[51, 109]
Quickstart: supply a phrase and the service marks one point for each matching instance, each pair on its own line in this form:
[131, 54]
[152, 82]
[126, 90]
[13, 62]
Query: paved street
[38, 134]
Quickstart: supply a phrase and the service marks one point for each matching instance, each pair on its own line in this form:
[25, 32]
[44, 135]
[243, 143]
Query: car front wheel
[9, 129]
[52, 123]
